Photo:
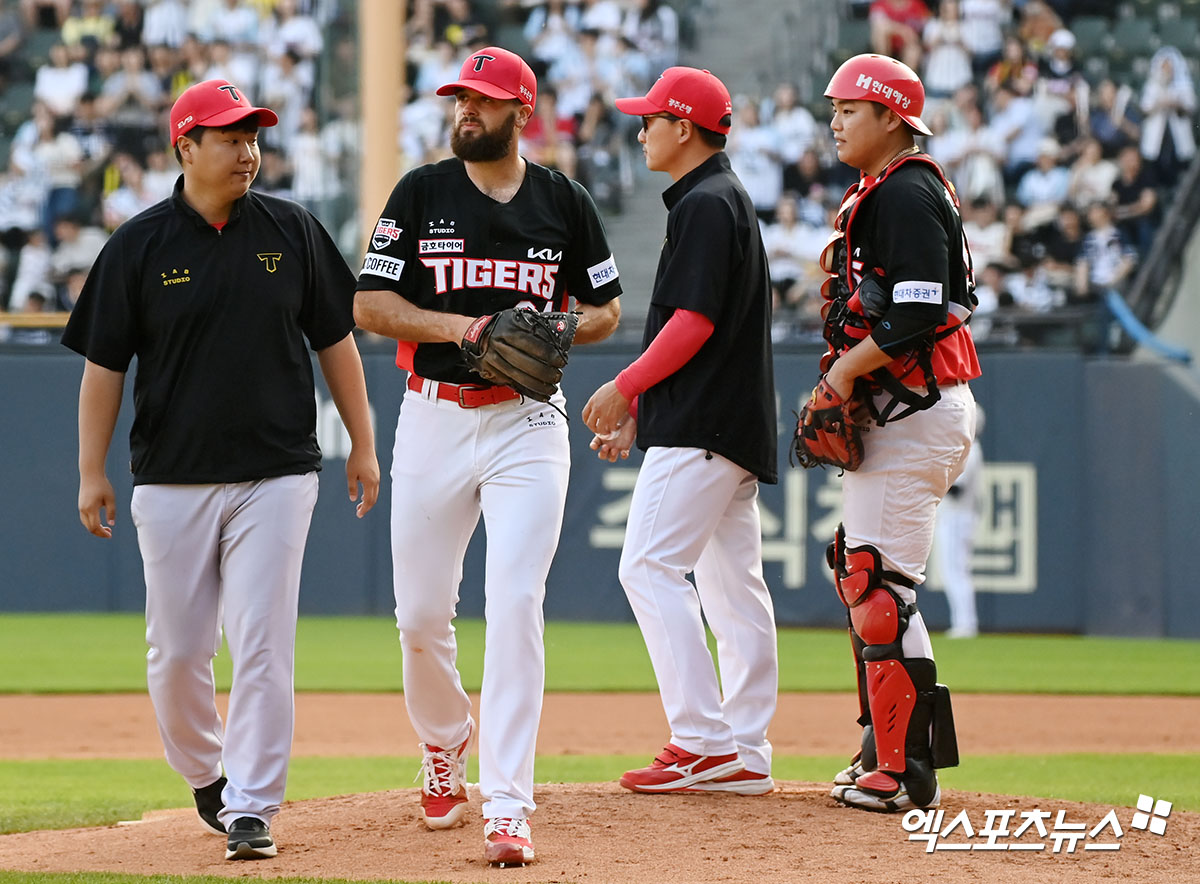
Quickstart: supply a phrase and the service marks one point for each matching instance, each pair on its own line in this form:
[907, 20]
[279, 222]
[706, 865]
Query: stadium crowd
[1060, 164]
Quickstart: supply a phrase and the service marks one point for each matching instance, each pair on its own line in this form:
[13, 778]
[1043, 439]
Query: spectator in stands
[792, 122]
[287, 88]
[12, 36]
[808, 178]
[165, 23]
[551, 30]
[127, 25]
[1091, 176]
[45, 14]
[753, 151]
[1043, 189]
[1063, 91]
[793, 248]
[1063, 244]
[602, 16]
[1114, 120]
[224, 64]
[896, 27]
[274, 175]
[1017, 130]
[1038, 22]
[36, 302]
[78, 246]
[1106, 262]
[1015, 70]
[439, 65]
[131, 100]
[315, 182]
[599, 152]
[549, 138]
[987, 236]
[1169, 108]
[160, 175]
[983, 23]
[51, 156]
[59, 84]
[947, 58]
[1135, 200]
[233, 21]
[652, 26]
[33, 272]
[1031, 288]
[460, 22]
[131, 197]
[91, 25]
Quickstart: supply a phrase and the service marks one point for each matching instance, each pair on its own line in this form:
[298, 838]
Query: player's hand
[616, 444]
[606, 411]
[96, 494]
[362, 468]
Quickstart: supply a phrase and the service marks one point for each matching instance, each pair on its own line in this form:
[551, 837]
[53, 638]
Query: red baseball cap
[687, 93]
[497, 73]
[214, 103]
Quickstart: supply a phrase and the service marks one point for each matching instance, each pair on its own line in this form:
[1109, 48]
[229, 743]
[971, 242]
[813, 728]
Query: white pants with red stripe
[510, 462]
[890, 502]
[225, 557]
[695, 512]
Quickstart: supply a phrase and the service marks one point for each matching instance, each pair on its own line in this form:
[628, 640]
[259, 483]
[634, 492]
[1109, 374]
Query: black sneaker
[209, 804]
[249, 838]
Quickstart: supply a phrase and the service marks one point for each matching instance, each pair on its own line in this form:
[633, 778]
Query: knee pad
[877, 614]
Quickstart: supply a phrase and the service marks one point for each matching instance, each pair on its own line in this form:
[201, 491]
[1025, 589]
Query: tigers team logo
[386, 233]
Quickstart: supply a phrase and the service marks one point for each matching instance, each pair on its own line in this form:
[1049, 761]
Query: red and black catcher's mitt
[829, 430]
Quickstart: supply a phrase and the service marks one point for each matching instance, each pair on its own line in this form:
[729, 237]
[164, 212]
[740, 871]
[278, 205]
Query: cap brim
[637, 107]
[266, 118]
[491, 90]
[917, 124]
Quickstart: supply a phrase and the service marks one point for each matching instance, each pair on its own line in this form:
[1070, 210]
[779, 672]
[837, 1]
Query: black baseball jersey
[713, 262]
[446, 246]
[218, 321]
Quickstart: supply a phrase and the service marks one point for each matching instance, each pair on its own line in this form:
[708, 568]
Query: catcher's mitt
[522, 349]
[829, 430]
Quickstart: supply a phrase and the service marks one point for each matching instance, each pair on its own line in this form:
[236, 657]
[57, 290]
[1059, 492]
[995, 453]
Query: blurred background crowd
[1063, 125]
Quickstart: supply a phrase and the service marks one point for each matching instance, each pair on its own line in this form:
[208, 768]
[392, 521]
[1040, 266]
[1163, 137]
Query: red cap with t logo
[496, 73]
[687, 93]
[214, 103]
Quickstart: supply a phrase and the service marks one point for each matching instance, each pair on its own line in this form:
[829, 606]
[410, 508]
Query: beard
[484, 146]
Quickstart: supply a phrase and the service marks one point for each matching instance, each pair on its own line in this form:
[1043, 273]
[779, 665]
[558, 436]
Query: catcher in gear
[898, 297]
[522, 349]
[485, 268]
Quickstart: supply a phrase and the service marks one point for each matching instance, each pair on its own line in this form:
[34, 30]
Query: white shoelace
[514, 828]
[444, 771]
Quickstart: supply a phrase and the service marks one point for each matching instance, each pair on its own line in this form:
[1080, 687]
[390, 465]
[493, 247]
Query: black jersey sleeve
[327, 312]
[702, 247]
[591, 274]
[914, 224]
[103, 324]
[391, 249]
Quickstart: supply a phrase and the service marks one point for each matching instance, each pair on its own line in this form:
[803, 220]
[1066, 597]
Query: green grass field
[106, 654]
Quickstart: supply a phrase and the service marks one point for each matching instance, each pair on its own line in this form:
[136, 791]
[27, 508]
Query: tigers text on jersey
[446, 246]
[218, 321]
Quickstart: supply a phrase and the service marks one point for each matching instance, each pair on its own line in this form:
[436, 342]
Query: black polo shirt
[218, 321]
[445, 245]
[713, 262]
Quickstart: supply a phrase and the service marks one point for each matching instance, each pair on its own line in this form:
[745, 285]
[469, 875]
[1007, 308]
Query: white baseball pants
[695, 512]
[890, 502]
[511, 463]
[225, 556]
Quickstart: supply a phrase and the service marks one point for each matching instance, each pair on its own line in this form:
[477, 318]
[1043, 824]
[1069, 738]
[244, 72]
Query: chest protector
[856, 296]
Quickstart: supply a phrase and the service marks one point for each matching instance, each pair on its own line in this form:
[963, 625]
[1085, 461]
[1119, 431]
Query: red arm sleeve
[680, 339]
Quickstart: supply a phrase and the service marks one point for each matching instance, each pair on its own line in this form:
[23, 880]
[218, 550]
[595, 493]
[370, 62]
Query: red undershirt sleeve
[680, 339]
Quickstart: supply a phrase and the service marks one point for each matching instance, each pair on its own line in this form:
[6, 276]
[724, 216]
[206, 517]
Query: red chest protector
[856, 297]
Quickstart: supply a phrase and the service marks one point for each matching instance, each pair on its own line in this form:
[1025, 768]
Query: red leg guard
[892, 697]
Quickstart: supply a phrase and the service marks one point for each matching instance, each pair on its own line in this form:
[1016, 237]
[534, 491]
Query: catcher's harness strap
[465, 395]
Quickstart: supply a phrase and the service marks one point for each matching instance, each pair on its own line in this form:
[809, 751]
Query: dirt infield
[598, 832]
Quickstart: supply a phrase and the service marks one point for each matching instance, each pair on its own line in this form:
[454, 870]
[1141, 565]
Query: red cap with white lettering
[215, 103]
[688, 93]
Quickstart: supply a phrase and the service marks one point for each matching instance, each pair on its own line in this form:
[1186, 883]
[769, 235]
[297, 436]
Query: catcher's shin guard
[908, 727]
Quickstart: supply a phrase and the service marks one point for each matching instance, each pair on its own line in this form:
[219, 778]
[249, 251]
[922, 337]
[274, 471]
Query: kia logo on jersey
[386, 233]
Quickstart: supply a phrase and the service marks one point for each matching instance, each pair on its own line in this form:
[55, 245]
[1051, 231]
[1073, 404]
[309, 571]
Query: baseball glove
[522, 349]
[829, 430]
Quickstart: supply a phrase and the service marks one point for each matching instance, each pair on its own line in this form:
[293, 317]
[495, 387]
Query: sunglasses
[648, 117]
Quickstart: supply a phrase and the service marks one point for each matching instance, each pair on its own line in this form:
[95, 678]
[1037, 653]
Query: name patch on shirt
[917, 292]
[605, 271]
[439, 246]
[381, 265]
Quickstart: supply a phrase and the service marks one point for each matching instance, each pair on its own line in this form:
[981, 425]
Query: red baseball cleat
[507, 841]
[444, 791]
[675, 770]
[743, 782]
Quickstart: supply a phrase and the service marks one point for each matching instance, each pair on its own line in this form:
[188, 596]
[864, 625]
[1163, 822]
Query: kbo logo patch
[386, 233]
